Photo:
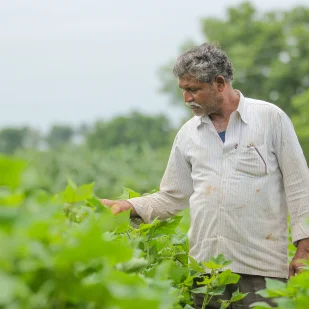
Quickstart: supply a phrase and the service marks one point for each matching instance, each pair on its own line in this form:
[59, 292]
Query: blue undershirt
[222, 136]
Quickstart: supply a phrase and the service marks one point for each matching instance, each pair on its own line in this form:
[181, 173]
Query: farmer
[239, 166]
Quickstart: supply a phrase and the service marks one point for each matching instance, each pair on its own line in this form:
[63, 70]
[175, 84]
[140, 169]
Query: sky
[73, 62]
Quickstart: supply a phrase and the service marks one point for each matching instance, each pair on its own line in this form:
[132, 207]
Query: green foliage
[10, 170]
[69, 251]
[59, 135]
[126, 164]
[111, 169]
[12, 139]
[214, 284]
[301, 120]
[270, 51]
[134, 129]
[291, 295]
[74, 194]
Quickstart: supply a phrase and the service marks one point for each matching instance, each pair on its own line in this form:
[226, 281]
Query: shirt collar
[241, 109]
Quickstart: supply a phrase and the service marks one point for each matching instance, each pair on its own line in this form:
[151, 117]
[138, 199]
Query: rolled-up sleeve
[175, 189]
[295, 173]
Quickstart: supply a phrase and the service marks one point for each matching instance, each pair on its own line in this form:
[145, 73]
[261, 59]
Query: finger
[291, 270]
[107, 202]
[299, 269]
[115, 209]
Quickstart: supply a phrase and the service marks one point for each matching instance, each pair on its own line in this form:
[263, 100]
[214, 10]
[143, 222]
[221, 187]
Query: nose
[187, 96]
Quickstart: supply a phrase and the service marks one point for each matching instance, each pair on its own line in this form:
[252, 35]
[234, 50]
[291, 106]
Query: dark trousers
[246, 284]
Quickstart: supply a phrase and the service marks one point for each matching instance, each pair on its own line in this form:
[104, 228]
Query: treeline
[132, 129]
[130, 151]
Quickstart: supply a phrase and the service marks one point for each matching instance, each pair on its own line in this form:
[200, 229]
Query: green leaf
[10, 171]
[178, 274]
[189, 281]
[134, 265]
[182, 257]
[200, 290]
[73, 194]
[238, 296]
[163, 269]
[273, 284]
[216, 263]
[217, 291]
[188, 307]
[128, 193]
[227, 277]
[194, 265]
[274, 288]
[260, 305]
[72, 184]
[84, 192]
[224, 304]
[122, 221]
[207, 280]
[288, 303]
[264, 293]
[220, 259]
[166, 227]
[152, 191]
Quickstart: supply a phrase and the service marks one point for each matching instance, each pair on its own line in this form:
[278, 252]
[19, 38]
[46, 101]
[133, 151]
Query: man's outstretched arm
[175, 190]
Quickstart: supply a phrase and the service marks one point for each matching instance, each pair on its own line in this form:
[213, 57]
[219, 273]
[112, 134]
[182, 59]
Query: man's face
[200, 97]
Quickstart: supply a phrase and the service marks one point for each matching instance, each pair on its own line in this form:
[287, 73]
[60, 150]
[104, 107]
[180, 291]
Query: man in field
[239, 167]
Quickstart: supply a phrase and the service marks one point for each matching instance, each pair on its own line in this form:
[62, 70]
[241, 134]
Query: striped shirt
[239, 192]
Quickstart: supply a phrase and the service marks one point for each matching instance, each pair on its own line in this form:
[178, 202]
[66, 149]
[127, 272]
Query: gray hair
[204, 63]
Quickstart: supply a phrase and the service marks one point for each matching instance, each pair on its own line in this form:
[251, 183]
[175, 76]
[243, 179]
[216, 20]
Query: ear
[220, 83]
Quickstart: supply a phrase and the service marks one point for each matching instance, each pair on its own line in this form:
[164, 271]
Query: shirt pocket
[252, 160]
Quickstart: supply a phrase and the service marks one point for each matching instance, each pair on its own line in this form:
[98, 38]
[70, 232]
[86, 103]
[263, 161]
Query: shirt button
[224, 180]
[220, 238]
[221, 208]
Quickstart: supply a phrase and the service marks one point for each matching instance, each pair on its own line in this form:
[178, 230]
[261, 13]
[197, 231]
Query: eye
[192, 90]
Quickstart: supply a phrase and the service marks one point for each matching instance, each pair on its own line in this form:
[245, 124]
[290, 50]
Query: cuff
[299, 232]
[142, 208]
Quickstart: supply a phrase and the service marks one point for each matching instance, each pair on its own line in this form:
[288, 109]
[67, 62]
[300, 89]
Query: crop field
[67, 250]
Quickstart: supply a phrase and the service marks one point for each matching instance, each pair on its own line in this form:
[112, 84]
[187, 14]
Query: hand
[119, 206]
[302, 253]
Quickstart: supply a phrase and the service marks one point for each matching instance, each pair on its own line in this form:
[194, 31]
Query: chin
[198, 113]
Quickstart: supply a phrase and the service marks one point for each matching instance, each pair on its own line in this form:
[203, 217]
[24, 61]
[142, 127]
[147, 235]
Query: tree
[59, 135]
[301, 120]
[269, 52]
[128, 130]
[12, 139]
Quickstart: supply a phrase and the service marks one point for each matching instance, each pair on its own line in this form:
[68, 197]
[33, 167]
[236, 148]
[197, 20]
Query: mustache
[193, 104]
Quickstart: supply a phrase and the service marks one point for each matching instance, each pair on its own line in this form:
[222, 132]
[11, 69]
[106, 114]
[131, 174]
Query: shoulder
[189, 126]
[262, 109]
[187, 129]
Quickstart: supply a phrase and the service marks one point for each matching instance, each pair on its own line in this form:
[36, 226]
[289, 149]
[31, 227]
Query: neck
[220, 119]
[229, 104]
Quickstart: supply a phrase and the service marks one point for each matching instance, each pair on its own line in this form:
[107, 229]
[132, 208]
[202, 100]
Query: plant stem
[205, 301]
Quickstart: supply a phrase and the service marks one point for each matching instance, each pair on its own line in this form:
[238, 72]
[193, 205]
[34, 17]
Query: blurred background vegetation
[270, 55]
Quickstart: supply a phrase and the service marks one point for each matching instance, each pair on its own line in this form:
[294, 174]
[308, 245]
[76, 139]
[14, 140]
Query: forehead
[188, 81]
